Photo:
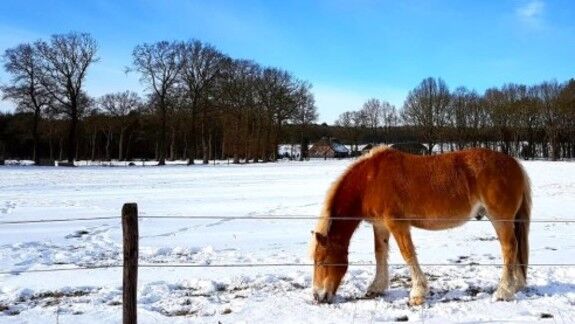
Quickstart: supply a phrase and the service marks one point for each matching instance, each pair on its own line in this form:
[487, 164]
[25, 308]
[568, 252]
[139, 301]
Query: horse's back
[450, 185]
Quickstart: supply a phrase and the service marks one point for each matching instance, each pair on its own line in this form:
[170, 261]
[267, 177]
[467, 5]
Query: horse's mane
[324, 222]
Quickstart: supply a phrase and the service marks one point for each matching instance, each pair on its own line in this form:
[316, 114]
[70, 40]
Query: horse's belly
[445, 219]
[436, 224]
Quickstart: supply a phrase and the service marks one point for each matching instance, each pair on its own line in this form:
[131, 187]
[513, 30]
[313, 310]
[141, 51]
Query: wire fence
[280, 217]
[261, 265]
[130, 220]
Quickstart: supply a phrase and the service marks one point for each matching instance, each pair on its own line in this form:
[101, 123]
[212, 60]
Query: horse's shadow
[553, 288]
[471, 293]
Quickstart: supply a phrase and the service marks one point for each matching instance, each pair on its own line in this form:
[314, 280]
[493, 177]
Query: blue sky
[350, 50]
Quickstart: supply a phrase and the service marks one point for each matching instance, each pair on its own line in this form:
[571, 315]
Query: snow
[260, 294]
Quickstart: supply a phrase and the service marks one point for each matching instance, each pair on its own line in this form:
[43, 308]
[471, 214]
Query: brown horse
[395, 190]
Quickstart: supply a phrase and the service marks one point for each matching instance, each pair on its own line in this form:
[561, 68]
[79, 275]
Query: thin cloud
[532, 12]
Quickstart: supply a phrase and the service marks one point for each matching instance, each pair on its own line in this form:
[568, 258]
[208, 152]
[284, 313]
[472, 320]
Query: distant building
[290, 151]
[328, 148]
[411, 147]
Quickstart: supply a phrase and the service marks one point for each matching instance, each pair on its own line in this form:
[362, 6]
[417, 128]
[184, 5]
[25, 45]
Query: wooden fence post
[130, 283]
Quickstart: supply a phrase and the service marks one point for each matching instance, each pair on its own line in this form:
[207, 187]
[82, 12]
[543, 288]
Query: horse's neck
[342, 229]
[345, 210]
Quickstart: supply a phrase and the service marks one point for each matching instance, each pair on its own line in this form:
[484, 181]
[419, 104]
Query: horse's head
[330, 265]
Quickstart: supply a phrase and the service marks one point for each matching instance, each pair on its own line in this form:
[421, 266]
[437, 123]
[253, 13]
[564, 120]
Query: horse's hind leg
[505, 232]
[402, 235]
[381, 280]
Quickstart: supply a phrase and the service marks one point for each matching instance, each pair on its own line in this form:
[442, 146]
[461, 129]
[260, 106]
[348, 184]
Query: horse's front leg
[381, 281]
[402, 235]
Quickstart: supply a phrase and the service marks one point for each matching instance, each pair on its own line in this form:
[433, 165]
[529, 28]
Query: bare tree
[275, 95]
[202, 64]
[548, 94]
[567, 110]
[64, 61]
[159, 65]
[389, 118]
[460, 110]
[372, 111]
[119, 105]
[522, 109]
[352, 123]
[305, 114]
[23, 65]
[426, 107]
[345, 123]
[238, 97]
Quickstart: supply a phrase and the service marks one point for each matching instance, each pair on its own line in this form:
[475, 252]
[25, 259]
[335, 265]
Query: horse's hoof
[416, 301]
[502, 294]
[373, 294]
[375, 290]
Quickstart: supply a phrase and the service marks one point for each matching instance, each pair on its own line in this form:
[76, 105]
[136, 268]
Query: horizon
[349, 52]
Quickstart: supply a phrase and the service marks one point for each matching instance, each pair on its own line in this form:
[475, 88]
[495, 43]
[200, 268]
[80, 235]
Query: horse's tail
[522, 218]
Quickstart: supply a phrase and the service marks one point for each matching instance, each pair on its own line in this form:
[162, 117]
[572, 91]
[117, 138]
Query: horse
[394, 191]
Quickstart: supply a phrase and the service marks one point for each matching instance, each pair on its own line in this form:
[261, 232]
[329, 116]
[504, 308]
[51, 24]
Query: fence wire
[275, 265]
[280, 217]
[351, 218]
[59, 220]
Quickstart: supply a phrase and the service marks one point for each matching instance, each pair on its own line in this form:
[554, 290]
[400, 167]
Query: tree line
[521, 120]
[199, 104]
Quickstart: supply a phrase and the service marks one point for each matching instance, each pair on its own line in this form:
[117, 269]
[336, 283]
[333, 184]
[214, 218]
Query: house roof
[334, 144]
[340, 148]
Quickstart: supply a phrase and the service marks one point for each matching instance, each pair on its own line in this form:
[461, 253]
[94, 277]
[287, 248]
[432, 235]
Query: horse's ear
[320, 238]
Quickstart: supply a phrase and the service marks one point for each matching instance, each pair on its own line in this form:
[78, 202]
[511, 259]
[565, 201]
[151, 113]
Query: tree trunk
[275, 144]
[61, 147]
[162, 141]
[173, 145]
[128, 147]
[108, 143]
[76, 157]
[192, 149]
[554, 147]
[185, 151]
[156, 152]
[267, 143]
[71, 154]
[121, 144]
[211, 155]
[223, 153]
[51, 143]
[205, 148]
[93, 143]
[236, 140]
[36, 137]
[248, 138]
[303, 144]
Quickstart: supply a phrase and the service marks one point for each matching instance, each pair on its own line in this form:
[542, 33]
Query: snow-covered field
[262, 294]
